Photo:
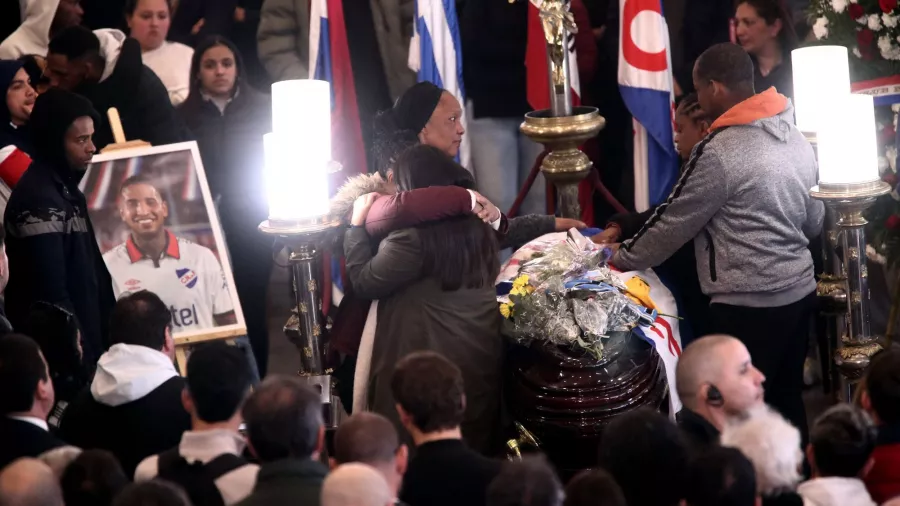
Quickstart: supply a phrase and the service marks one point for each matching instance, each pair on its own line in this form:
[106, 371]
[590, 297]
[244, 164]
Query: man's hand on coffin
[564, 224]
[612, 234]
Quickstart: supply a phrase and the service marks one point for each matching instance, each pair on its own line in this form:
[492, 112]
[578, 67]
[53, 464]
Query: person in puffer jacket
[743, 199]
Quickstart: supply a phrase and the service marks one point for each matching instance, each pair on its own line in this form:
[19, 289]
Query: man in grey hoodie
[133, 406]
[743, 199]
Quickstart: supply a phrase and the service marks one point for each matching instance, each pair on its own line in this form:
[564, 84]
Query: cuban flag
[435, 53]
[329, 60]
[538, 87]
[645, 81]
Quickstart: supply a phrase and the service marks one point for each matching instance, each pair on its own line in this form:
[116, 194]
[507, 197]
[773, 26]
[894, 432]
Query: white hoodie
[835, 491]
[128, 372]
[33, 35]
[111, 41]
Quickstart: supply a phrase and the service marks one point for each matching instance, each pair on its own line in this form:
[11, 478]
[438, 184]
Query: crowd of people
[93, 410]
[143, 435]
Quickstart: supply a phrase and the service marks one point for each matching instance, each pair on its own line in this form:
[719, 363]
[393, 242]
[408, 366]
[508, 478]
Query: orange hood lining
[762, 105]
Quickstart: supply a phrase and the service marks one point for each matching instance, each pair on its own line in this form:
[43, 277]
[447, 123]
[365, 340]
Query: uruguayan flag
[435, 52]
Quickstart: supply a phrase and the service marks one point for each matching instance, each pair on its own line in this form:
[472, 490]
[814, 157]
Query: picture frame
[155, 222]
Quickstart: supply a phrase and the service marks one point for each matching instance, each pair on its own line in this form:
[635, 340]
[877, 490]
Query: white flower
[873, 255]
[854, 1]
[839, 5]
[874, 22]
[856, 52]
[863, 20]
[889, 20]
[889, 50]
[820, 28]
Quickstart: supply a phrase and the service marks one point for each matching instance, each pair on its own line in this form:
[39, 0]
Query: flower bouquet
[569, 297]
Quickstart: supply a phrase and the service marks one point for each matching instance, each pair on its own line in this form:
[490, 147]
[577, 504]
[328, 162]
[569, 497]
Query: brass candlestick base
[305, 328]
[565, 165]
[849, 284]
[524, 438]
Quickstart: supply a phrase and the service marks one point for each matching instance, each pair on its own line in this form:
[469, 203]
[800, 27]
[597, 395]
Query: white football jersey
[187, 277]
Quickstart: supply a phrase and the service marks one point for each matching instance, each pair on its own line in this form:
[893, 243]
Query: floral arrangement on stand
[870, 29]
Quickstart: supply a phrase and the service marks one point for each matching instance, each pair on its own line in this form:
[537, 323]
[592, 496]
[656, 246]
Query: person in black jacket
[106, 67]
[25, 400]
[428, 390]
[51, 242]
[136, 390]
[229, 118]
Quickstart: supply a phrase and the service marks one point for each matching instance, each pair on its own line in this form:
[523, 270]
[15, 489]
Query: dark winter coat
[415, 314]
[50, 240]
[230, 141]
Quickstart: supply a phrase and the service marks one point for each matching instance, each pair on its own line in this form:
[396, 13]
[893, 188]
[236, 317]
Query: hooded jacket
[141, 98]
[136, 391]
[834, 491]
[50, 238]
[33, 35]
[744, 200]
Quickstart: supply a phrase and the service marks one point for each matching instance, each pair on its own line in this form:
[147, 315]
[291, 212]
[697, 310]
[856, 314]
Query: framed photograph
[155, 222]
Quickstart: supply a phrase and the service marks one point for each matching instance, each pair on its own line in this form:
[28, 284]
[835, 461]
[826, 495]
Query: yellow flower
[520, 281]
[529, 289]
[506, 310]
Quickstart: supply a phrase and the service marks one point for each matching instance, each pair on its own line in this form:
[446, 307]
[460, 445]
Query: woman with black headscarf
[435, 287]
[228, 118]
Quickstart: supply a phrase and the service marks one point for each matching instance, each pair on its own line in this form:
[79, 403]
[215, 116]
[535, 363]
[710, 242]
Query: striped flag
[645, 81]
[538, 88]
[435, 53]
[329, 60]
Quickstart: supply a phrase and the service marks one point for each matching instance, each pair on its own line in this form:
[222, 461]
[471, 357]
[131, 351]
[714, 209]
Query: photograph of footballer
[157, 228]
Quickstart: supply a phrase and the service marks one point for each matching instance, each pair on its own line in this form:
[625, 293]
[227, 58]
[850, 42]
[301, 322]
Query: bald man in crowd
[717, 383]
[29, 482]
[371, 439]
[356, 484]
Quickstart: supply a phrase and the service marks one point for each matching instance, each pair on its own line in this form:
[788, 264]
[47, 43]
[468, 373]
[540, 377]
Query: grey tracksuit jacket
[743, 199]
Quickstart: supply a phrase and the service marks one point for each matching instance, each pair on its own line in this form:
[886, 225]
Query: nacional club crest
[187, 277]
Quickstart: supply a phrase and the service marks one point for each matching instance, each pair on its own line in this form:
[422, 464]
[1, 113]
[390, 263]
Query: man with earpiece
[717, 384]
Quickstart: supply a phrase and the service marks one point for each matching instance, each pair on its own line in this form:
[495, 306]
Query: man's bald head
[356, 485]
[715, 373]
[697, 365]
[29, 482]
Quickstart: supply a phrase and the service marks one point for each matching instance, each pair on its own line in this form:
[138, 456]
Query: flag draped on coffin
[329, 60]
[435, 53]
[645, 81]
[538, 88]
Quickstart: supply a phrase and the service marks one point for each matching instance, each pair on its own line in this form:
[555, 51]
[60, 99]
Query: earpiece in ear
[714, 397]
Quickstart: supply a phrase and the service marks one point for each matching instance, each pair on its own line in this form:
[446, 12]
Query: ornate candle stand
[562, 128]
[849, 282]
[305, 328]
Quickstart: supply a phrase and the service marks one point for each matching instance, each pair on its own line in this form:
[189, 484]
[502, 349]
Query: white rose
[820, 28]
[889, 20]
[839, 5]
[863, 20]
[874, 22]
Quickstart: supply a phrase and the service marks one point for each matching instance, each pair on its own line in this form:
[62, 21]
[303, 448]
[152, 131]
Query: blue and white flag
[645, 81]
[435, 53]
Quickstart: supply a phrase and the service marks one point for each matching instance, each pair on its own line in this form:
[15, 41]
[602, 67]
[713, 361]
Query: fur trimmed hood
[354, 187]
